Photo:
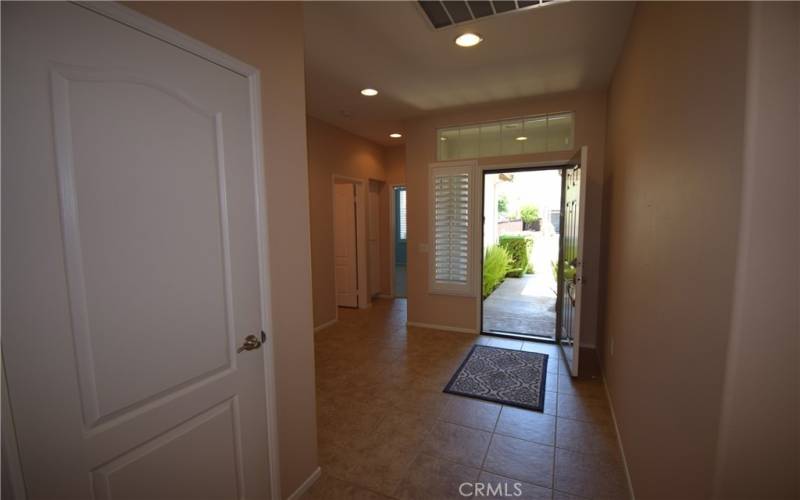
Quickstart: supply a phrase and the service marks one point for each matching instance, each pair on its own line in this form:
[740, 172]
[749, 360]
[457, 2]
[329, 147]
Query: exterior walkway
[525, 306]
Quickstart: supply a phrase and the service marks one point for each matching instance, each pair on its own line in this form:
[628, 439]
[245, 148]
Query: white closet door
[130, 264]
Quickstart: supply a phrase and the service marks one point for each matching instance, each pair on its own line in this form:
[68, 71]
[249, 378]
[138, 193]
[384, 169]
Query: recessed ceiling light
[442, 138]
[521, 138]
[369, 92]
[469, 40]
[395, 135]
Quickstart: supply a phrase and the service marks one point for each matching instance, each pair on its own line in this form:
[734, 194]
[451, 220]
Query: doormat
[514, 378]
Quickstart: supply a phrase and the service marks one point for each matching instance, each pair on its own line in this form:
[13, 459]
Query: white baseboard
[308, 483]
[325, 325]
[619, 437]
[442, 327]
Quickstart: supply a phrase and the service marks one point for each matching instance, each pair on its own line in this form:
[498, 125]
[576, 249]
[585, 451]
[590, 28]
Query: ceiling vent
[444, 13]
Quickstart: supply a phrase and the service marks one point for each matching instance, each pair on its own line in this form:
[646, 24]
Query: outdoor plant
[529, 213]
[517, 247]
[502, 204]
[496, 263]
[531, 220]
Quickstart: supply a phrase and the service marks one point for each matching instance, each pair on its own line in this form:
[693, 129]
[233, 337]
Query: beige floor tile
[584, 437]
[471, 413]
[328, 487]
[550, 402]
[526, 424]
[380, 405]
[511, 488]
[580, 408]
[459, 444]
[520, 459]
[431, 478]
[505, 343]
[589, 476]
[591, 388]
[560, 495]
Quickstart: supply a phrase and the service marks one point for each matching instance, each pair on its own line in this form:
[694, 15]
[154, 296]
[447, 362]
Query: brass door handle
[251, 343]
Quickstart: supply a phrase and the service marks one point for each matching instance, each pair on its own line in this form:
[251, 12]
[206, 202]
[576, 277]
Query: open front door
[571, 268]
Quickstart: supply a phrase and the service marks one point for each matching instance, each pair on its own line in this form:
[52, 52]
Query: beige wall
[757, 456]
[673, 181]
[590, 121]
[269, 36]
[395, 164]
[333, 151]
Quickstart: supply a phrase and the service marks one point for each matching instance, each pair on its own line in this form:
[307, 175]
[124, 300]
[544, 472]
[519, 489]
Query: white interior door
[373, 239]
[344, 235]
[130, 263]
[572, 230]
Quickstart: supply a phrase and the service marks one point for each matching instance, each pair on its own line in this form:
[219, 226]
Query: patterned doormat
[514, 378]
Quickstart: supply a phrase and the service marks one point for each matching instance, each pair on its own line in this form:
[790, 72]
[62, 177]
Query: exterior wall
[269, 36]
[757, 456]
[672, 185]
[590, 122]
[333, 151]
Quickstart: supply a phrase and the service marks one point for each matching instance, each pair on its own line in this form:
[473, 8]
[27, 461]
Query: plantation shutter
[403, 226]
[451, 191]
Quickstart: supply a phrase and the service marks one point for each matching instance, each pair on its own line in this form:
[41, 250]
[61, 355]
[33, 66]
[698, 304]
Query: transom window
[531, 134]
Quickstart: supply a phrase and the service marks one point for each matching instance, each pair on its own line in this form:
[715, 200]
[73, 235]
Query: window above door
[526, 135]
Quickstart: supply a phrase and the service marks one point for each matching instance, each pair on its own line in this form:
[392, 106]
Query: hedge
[517, 247]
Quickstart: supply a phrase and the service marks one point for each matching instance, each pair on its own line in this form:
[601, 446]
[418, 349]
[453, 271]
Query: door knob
[251, 343]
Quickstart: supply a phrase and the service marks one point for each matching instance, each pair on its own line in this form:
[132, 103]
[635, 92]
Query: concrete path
[525, 305]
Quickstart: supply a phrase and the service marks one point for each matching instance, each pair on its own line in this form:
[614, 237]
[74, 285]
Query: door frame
[392, 228]
[140, 22]
[362, 266]
[478, 229]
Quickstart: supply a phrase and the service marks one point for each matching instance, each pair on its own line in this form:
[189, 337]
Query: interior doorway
[521, 245]
[350, 242]
[399, 241]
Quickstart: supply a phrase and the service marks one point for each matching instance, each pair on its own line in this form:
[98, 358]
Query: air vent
[442, 14]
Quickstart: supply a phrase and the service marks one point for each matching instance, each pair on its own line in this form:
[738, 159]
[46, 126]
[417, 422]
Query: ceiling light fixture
[521, 138]
[469, 40]
[395, 135]
[442, 138]
[369, 92]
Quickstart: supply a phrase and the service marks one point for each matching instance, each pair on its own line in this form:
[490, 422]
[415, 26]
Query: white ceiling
[391, 46]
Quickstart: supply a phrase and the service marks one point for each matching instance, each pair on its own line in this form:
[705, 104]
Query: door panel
[373, 238]
[571, 287]
[344, 234]
[130, 260]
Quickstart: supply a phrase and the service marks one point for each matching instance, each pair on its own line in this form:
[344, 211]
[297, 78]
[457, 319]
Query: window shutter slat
[451, 206]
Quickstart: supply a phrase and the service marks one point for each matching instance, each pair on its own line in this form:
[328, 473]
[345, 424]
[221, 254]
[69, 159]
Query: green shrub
[529, 213]
[502, 204]
[496, 263]
[517, 247]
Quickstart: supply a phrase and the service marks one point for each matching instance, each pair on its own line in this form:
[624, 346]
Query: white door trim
[477, 223]
[364, 300]
[158, 30]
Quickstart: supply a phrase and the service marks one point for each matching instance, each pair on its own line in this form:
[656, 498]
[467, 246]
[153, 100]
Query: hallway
[386, 429]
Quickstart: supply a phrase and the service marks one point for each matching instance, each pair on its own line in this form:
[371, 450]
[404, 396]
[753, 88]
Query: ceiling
[391, 46]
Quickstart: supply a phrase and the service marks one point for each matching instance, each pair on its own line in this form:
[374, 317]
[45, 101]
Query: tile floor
[386, 429]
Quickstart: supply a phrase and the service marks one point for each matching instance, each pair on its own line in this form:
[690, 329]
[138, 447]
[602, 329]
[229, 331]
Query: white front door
[344, 245]
[130, 263]
[572, 234]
